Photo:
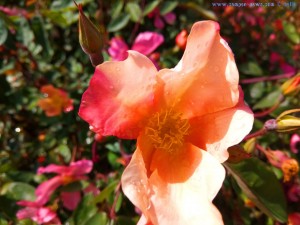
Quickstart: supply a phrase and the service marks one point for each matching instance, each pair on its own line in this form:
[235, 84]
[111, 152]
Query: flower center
[167, 130]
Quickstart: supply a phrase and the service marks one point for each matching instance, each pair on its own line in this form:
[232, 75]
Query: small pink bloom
[170, 18]
[92, 188]
[147, 42]
[144, 43]
[66, 174]
[14, 11]
[118, 49]
[71, 199]
[276, 59]
[159, 20]
[40, 215]
[276, 157]
[293, 193]
[295, 143]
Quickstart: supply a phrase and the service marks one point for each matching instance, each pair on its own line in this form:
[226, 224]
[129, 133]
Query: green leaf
[64, 151]
[26, 222]
[56, 17]
[3, 222]
[134, 11]
[270, 100]
[72, 187]
[150, 7]
[116, 9]
[291, 32]
[41, 36]
[261, 186]
[257, 90]
[8, 206]
[85, 210]
[106, 192]
[118, 23]
[251, 68]
[18, 191]
[3, 33]
[99, 219]
[207, 14]
[167, 6]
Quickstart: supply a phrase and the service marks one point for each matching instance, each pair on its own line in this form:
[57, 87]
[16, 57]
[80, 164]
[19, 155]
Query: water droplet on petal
[111, 87]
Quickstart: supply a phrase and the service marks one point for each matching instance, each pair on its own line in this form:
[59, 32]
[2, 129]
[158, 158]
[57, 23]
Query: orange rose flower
[55, 102]
[184, 119]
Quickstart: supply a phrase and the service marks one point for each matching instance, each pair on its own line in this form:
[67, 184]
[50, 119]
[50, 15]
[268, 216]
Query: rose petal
[177, 166]
[76, 168]
[119, 96]
[118, 49]
[206, 79]
[158, 22]
[135, 183]
[294, 142]
[147, 42]
[179, 203]
[170, 18]
[70, 199]
[217, 131]
[39, 215]
[45, 189]
[80, 167]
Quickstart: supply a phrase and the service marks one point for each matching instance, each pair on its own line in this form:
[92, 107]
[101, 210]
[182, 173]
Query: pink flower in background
[295, 143]
[293, 193]
[14, 11]
[38, 214]
[144, 43]
[276, 59]
[276, 157]
[66, 175]
[159, 20]
[71, 199]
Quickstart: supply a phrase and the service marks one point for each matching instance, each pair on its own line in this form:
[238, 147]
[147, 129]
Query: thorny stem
[267, 78]
[95, 157]
[258, 133]
[268, 111]
[112, 214]
[75, 148]
[260, 148]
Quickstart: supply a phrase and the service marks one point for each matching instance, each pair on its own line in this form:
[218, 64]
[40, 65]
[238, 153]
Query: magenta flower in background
[144, 43]
[14, 11]
[159, 20]
[293, 193]
[66, 175]
[294, 142]
[38, 214]
[71, 199]
[276, 59]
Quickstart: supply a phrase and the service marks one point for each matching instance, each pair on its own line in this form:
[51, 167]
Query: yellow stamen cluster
[167, 130]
